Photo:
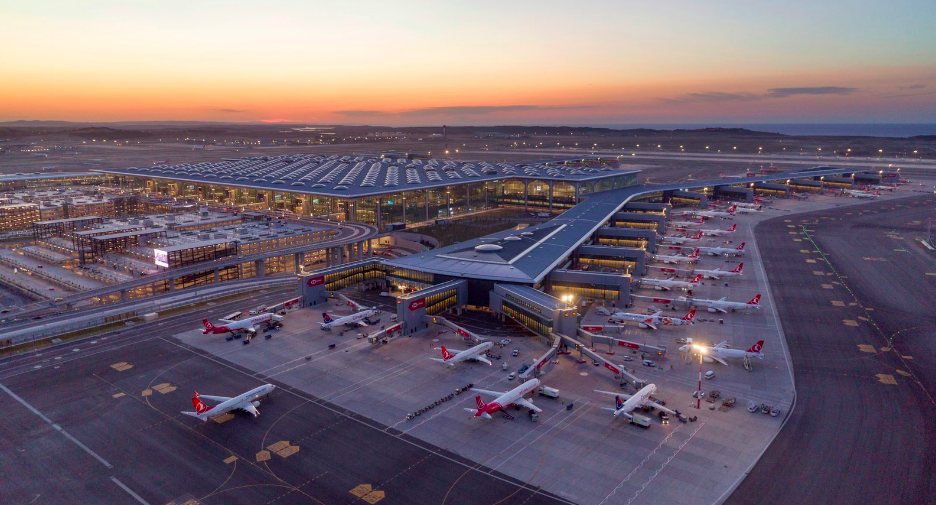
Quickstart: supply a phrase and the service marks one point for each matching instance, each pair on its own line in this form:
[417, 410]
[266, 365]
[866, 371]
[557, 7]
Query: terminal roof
[527, 256]
[356, 176]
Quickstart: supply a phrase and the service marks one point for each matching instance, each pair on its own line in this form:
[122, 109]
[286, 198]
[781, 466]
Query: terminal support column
[217, 276]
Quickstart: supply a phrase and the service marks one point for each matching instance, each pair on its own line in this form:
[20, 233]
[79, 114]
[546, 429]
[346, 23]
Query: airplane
[727, 251]
[653, 321]
[682, 240]
[474, 354]
[360, 319]
[247, 402]
[668, 284]
[677, 259]
[721, 351]
[684, 224]
[724, 306]
[749, 210]
[713, 213]
[861, 194]
[719, 233]
[881, 188]
[756, 205]
[639, 399]
[504, 400]
[244, 325]
[718, 273]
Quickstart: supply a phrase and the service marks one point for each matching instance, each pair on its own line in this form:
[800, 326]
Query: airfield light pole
[701, 351]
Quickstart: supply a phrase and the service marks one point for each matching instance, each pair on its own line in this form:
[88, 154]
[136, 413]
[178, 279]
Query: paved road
[84, 428]
[859, 326]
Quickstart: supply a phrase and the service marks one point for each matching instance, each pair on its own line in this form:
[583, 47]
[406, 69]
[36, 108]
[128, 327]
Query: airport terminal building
[380, 189]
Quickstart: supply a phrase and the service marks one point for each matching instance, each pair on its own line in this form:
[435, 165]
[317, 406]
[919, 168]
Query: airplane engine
[642, 326]
[658, 288]
[255, 404]
[707, 360]
[710, 309]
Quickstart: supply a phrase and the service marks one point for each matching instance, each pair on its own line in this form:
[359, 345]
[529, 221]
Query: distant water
[836, 129]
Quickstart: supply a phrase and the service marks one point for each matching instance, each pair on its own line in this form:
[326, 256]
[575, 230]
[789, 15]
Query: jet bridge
[467, 335]
[611, 342]
[535, 369]
[618, 370]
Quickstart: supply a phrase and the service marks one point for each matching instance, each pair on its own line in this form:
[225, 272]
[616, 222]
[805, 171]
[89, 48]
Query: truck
[548, 392]
[639, 420]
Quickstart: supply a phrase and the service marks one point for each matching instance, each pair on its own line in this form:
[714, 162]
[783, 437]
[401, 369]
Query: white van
[649, 363]
[710, 374]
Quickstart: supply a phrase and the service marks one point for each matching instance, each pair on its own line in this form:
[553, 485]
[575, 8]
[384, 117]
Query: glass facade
[413, 206]
[356, 275]
[440, 302]
[531, 321]
[596, 291]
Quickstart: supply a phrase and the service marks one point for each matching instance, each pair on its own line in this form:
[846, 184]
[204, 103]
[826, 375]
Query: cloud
[814, 90]
[912, 86]
[711, 96]
[723, 96]
[458, 110]
[229, 111]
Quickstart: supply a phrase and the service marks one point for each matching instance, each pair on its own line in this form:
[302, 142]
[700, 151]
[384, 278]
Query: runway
[854, 293]
[99, 422]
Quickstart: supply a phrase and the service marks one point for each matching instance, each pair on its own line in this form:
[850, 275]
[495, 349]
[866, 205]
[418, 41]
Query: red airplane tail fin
[690, 316]
[208, 326]
[732, 209]
[480, 403]
[695, 254]
[757, 347]
[698, 278]
[733, 227]
[754, 301]
[738, 268]
[445, 354]
[200, 407]
[741, 247]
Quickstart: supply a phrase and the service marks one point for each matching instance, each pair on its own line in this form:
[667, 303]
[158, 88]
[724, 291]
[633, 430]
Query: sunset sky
[479, 62]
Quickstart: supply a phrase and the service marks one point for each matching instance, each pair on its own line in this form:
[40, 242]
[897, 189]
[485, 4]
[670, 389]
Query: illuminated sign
[624, 343]
[417, 304]
[289, 303]
[161, 258]
[315, 281]
[462, 332]
[612, 368]
[592, 328]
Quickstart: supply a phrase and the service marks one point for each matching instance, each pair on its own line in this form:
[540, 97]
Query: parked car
[515, 352]
[512, 376]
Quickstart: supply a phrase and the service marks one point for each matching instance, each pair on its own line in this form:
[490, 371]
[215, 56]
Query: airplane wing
[609, 393]
[248, 407]
[650, 325]
[214, 398]
[226, 320]
[486, 392]
[482, 359]
[651, 403]
[720, 360]
[361, 323]
[528, 404]
[723, 344]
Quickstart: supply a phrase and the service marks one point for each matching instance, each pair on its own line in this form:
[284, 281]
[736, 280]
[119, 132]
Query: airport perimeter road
[99, 422]
[858, 319]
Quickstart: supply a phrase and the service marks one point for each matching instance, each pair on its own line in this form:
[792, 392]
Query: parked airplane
[719, 233]
[242, 325]
[718, 273]
[665, 258]
[687, 223]
[727, 251]
[504, 400]
[682, 240]
[749, 210]
[714, 213]
[361, 318]
[637, 400]
[247, 402]
[668, 284]
[758, 203]
[861, 194]
[723, 306]
[652, 321]
[721, 351]
[476, 353]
